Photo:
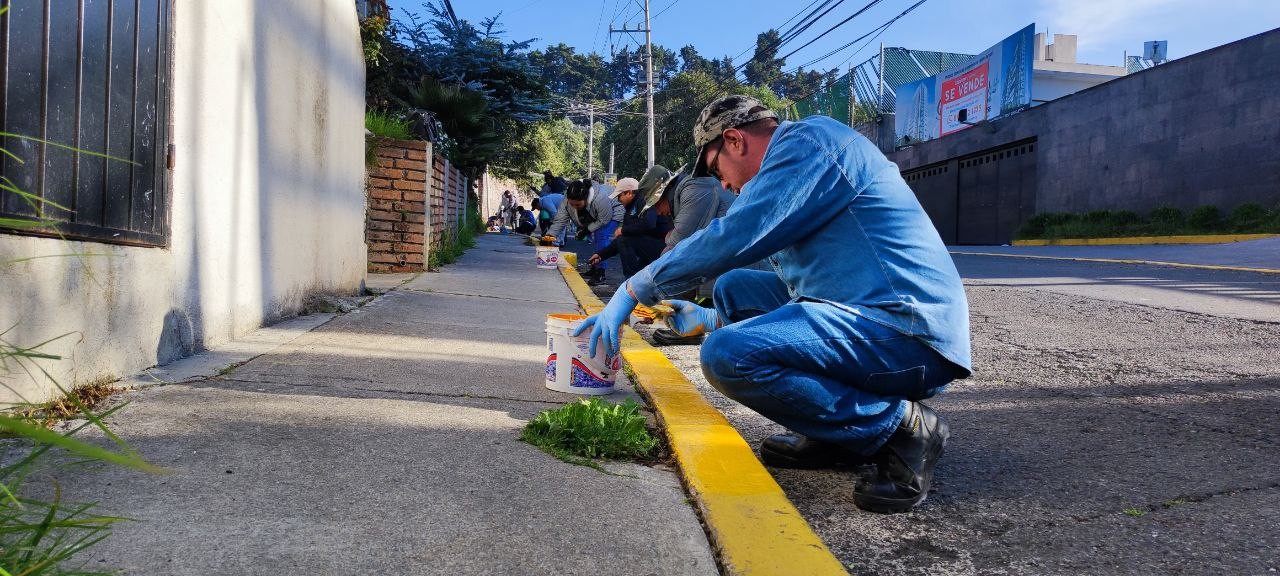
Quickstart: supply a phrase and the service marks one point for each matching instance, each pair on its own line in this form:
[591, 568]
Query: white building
[244, 123]
[1055, 72]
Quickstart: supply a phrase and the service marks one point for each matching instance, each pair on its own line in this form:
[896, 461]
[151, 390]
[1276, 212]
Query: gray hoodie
[600, 206]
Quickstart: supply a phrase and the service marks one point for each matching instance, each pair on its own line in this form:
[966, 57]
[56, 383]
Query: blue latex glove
[605, 325]
[690, 319]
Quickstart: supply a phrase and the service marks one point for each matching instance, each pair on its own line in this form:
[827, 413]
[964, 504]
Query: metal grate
[92, 75]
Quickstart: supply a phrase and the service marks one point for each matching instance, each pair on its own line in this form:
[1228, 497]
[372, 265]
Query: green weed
[1135, 512]
[586, 430]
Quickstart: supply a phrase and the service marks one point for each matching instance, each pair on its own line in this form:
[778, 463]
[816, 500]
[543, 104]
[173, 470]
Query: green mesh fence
[831, 101]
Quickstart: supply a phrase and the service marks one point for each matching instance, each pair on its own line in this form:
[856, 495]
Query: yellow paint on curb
[1117, 261]
[1190, 239]
[753, 526]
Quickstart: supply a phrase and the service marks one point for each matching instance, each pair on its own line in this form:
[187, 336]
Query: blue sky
[1106, 28]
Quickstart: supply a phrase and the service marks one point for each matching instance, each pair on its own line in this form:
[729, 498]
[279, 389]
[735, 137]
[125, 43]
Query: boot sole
[897, 505]
[780, 460]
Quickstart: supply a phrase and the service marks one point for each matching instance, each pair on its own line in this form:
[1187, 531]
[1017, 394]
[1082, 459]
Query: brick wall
[396, 225]
[410, 202]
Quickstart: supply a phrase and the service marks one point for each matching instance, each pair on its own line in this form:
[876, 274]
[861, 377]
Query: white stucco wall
[267, 201]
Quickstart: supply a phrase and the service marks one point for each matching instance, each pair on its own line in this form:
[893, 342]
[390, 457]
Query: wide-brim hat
[625, 185]
[666, 189]
[720, 115]
[653, 182]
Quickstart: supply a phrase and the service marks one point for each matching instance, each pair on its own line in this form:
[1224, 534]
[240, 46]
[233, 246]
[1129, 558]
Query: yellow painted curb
[1118, 261]
[753, 526]
[1191, 239]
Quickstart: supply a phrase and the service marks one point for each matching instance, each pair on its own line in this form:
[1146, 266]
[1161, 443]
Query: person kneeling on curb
[862, 318]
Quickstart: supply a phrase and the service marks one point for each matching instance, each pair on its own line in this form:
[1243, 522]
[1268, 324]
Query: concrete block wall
[396, 225]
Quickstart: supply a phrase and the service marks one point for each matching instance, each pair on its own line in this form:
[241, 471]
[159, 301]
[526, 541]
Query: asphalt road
[1121, 420]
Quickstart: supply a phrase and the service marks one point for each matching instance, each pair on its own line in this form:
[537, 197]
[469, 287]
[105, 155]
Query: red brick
[415, 175]
[385, 237]
[385, 215]
[413, 258]
[409, 227]
[383, 258]
[379, 268]
[415, 197]
[390, 152]
[376, 225]
[411, 164]
[384, 194]
[385, 205]
[391, 173]
[415, 238]
[417, 207]
[407, 185]
[386, 163]
[415, 217]
[415, 154]
[379, 183]
[380, 246]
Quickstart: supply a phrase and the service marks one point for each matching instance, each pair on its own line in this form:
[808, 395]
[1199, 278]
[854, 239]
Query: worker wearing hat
[862, 317]
[640, 239]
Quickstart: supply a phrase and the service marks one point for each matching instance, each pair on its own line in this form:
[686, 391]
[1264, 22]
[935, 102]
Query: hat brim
[700, 165]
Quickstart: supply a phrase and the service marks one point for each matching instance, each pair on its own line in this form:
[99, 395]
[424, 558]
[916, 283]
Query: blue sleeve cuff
[641, 286]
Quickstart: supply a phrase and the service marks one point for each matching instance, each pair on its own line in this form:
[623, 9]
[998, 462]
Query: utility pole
[611, 158]
[591, 141]
[648, 72]
[648, 100]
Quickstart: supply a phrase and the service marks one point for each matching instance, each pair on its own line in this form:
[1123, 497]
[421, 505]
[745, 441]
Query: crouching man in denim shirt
[862, 318]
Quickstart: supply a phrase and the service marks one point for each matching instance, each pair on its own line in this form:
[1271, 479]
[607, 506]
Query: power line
[660, 12]
[831, 29]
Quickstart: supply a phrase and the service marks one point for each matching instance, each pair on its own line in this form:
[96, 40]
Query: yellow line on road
[1117, 261]
[753, 526]
[1186, 239]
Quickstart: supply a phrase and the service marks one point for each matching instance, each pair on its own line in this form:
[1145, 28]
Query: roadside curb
[1121, 261]
[1185, 239]
[753, 527]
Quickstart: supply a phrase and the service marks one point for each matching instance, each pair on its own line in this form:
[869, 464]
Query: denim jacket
[838, 224]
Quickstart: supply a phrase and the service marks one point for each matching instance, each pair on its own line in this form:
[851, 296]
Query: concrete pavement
[1097, 435]
[386, 441]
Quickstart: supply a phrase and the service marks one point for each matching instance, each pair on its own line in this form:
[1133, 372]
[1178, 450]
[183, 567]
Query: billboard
[994, 83]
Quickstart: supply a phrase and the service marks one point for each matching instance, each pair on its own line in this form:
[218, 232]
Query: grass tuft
[68, 406]
[586, 430]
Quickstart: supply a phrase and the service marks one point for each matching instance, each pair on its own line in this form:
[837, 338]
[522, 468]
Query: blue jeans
[819, 369]
[601, 238]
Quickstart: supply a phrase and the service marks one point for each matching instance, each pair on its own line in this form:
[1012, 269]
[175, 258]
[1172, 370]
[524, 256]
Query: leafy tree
[765, 68]
[675, 108]
[691, 61]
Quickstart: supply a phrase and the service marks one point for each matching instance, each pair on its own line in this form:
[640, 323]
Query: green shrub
[1037, 226]
[385, 125]
[1204, 218]
[1166, 218]
[1247, 217]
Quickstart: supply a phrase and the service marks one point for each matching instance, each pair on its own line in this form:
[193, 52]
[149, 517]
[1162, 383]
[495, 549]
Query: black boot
[791, 450]
[669, 337]
[595, 277]
[904, 465]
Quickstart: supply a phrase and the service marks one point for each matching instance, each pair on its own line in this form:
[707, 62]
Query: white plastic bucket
[548, 257]
[569, 366]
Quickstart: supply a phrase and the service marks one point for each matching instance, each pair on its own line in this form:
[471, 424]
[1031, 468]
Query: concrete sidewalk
[386, 442]
[1258, 254]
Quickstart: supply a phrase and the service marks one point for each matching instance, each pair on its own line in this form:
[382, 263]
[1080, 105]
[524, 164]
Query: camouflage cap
[724, 113]
[666, 188]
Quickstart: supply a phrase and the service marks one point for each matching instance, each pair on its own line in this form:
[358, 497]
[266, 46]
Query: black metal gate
[979, 199]
[90, 75]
